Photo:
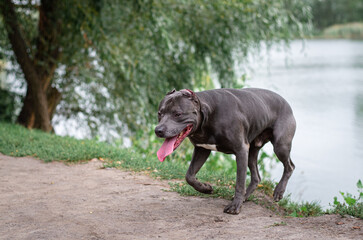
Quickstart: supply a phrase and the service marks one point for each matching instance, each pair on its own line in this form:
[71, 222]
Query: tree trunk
[41, 98]
[36, 93]
[26, 116]
[53, 98]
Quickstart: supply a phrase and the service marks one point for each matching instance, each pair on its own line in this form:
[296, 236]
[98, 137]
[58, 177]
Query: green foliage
[304, 209]
[226, 192]
[352, 205]
[285, 206]
[7, 106]
[330, 12]
[264, 160]
[119, 58]
[267, 187]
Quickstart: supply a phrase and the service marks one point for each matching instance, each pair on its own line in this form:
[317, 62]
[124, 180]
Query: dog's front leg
[242, 159]
[200, 155]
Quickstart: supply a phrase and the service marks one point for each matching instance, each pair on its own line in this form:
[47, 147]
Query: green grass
[219, 191]
[304, 209]
[352, 210]
[352, 205]
[18, 141]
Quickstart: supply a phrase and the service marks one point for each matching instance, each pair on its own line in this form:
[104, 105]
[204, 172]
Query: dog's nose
[160, 131]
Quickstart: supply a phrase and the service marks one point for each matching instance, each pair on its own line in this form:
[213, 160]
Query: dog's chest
[212, 147]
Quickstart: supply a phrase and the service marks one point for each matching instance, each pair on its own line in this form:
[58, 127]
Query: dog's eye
[160, 115]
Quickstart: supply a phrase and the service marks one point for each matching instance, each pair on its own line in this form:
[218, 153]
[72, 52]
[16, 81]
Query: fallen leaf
[356, 227]
[101, 159]
[339, 223]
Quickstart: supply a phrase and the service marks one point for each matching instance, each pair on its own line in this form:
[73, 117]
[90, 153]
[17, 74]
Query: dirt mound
[57, 201]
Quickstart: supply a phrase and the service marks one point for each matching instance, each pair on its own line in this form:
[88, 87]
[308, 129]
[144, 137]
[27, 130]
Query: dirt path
[56, 201]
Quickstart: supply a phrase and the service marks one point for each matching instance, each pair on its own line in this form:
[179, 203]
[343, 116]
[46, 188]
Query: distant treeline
[330, 12]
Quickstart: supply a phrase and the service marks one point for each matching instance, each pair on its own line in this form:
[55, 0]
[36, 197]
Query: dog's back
[257, 109]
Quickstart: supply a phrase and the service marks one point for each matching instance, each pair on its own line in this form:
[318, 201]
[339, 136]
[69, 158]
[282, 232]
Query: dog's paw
[278, 194]
[206, 188]
[233, 208]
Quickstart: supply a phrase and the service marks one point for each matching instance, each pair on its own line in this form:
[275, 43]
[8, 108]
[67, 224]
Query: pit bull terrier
[231, 121]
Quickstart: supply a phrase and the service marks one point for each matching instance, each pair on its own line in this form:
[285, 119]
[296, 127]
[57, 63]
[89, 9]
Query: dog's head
[179, 115]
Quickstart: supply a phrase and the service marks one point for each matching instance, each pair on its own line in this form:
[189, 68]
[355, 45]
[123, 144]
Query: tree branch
[15, 37]
[48, 54]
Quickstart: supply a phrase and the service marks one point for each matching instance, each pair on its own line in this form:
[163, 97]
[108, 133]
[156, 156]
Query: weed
[352, 205]
[184, 189]
[304, 209]
[267, 186]
[276, 224]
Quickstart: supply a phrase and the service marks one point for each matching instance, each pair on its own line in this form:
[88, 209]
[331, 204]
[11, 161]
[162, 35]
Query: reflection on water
[324, 85]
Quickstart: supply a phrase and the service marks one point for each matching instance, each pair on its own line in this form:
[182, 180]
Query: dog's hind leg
[255, 147]
[283, 154]
[252, 165]
[200, 155]
[283, 134]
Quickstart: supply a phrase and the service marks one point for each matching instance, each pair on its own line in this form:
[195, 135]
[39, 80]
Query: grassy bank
[345, 31]
[19, 141]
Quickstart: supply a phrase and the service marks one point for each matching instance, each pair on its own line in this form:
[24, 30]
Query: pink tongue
[167, 148]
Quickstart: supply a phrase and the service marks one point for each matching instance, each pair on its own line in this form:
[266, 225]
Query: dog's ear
[190, 94]
[171, 92]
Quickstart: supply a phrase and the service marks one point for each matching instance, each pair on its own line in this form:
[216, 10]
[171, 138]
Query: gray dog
[231, 121]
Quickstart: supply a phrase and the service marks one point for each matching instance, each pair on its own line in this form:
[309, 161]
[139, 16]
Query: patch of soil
[83, 201]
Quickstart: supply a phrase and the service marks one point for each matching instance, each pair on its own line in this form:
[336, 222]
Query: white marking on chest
[208, 146]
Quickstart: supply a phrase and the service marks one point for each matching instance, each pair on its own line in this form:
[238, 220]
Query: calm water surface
[323, 82]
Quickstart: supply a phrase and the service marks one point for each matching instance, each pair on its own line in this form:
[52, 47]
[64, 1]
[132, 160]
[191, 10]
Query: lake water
[323, 82]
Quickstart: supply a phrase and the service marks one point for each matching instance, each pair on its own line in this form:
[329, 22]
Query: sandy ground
[57, 201]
